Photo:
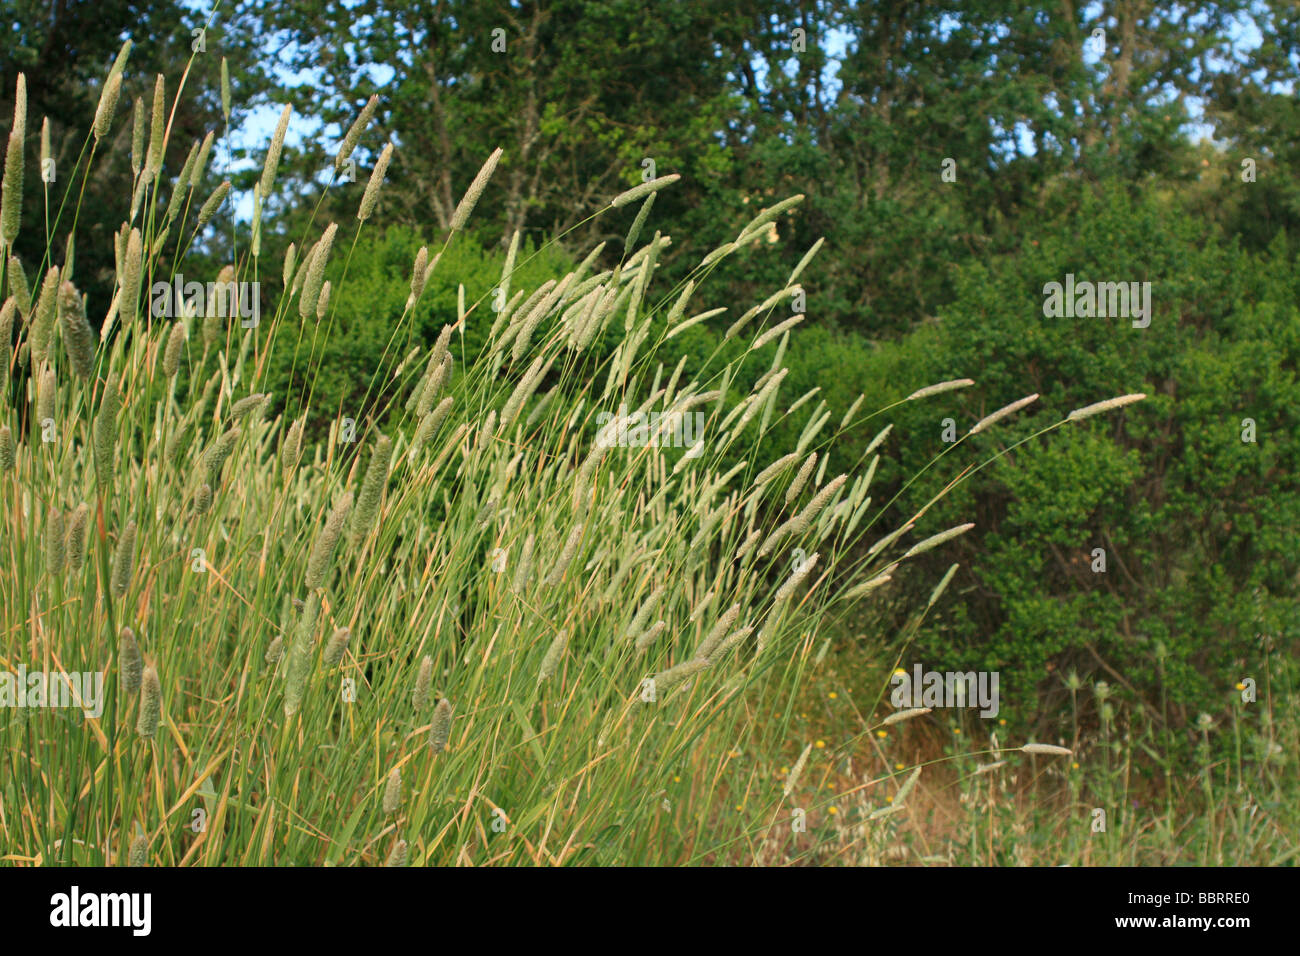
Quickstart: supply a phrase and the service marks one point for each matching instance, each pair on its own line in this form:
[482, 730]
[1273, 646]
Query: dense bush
[1197, 524]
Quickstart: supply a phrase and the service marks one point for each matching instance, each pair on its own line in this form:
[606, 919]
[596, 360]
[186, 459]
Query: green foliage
[367, 325]
[1197, 525]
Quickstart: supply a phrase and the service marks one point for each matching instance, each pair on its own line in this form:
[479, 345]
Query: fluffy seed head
[76, 538]
[45, 313]
[137, 136]
[214, 202]
[440, 729]
[274, 650]
[643, 189]
[124, 561]
[11, 192]
[291, 450]
[56, 554]
[372, 487]
[146, 724]
[130, 663]
[273, 154]
[940, 388]
[316, 272]
[393, 791]
[354, 133]
[156, 130]
[989, 420]
[78, 339]
[475, 190]
[398, 855]
[901, 715]
[554, 655]
[937, 539]
[322, 552]
[107, 105]
[338, 644]
[792, 779]
[130, 297]
[46, 388]
[139, 852]
[1050, 750]
[104, 436]
[801, 478]
[1109, 405]
[175, 347]
[423, 682]
[371, 195]
[6, 449]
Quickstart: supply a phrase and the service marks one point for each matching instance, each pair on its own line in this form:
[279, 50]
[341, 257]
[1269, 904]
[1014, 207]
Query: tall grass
[457, 628]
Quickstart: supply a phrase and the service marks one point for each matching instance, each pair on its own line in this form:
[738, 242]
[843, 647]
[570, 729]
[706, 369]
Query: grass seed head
[130, 663]
[440, 729]
[146, 724]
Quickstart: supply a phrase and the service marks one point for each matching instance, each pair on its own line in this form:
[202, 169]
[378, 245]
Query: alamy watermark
[924, 688]
[222, 299]
[656, 429]
[24, 688]
[1101, 300]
